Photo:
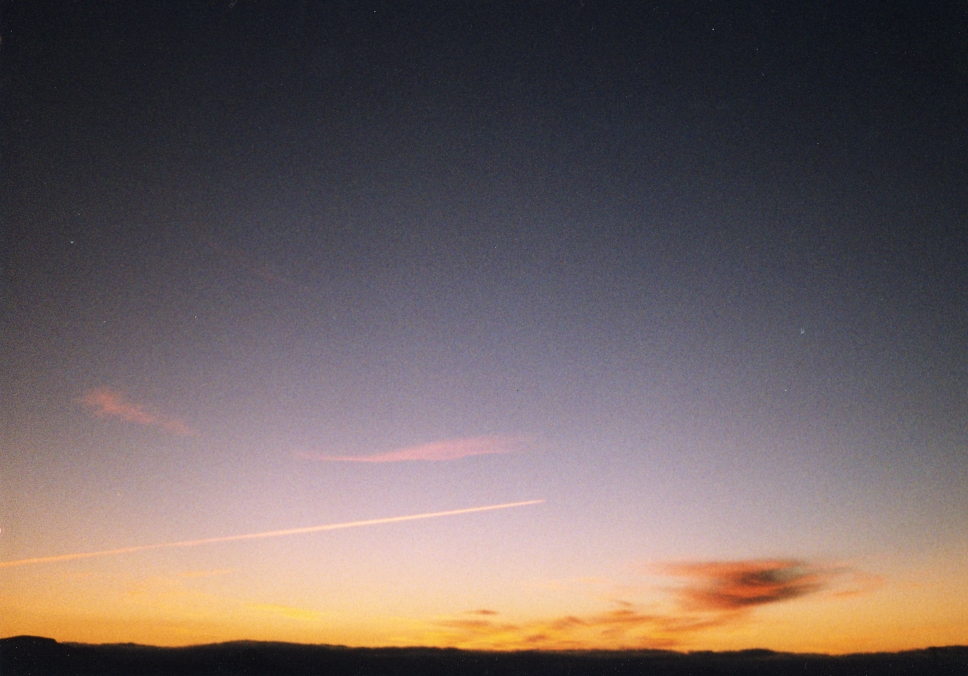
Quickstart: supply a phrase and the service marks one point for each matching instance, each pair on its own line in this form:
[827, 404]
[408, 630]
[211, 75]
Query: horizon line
[589, 652]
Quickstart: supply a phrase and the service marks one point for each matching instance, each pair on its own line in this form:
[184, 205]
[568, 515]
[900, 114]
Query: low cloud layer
[438, 451]
[109, 403]
[705, 595]
[622, 628]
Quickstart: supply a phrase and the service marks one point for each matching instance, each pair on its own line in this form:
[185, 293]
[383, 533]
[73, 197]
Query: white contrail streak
[269, 534]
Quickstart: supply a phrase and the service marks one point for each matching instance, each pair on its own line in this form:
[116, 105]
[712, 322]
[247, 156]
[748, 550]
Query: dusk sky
[692, 275]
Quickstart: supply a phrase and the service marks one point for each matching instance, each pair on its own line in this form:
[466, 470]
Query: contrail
[269, 534]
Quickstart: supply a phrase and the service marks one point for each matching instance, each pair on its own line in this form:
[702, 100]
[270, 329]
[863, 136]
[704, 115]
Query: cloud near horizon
[736, 585]
[437, 451]
[711, 594]
[109, 403]
[621, 628]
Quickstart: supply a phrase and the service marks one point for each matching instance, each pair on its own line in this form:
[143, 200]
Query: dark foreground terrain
[23, 655]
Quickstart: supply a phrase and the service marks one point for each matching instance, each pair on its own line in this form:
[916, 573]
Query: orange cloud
[106, 402]
[736, 585]
[438, 451]
[859, 583]
[623, 628]
[712, 594]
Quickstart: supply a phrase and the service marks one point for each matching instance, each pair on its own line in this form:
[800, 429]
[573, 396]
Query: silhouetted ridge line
[35, 656]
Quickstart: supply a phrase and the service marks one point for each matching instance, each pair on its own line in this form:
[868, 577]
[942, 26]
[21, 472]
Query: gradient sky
[694, 275]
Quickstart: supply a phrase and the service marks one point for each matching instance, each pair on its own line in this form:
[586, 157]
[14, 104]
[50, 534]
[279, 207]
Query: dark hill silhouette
[35, 656]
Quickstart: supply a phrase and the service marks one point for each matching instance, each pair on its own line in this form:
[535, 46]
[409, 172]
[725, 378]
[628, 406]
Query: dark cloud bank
[32, 655]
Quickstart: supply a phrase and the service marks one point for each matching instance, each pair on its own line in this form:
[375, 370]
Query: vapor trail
[269, 534]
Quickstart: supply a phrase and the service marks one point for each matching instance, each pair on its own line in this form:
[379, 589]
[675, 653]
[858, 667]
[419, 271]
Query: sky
[677, 291]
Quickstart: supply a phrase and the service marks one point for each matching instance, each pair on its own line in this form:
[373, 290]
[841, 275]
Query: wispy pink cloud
[109, 403]
[437, 451]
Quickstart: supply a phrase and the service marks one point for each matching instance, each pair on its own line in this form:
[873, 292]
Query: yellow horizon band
[268, 534]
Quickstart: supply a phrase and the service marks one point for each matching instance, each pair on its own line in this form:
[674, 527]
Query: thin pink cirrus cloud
[109, 403]
[437, 451]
